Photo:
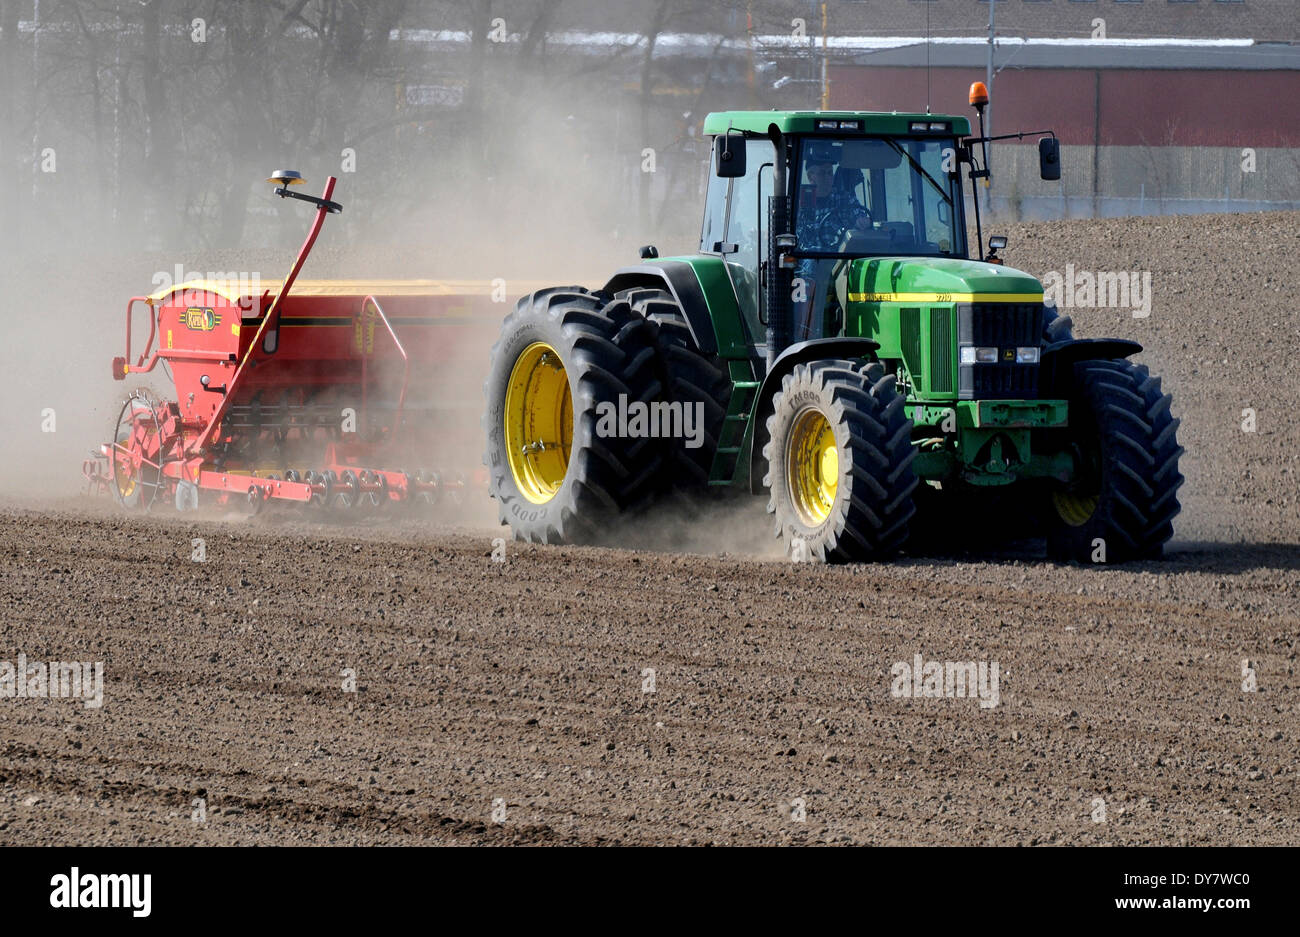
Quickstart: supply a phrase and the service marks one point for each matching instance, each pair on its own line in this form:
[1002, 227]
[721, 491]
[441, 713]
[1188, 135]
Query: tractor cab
[856, 185]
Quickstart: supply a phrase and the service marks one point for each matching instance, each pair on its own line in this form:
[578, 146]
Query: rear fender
[679, 279]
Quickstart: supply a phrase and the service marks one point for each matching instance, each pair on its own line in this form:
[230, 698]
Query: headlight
[1027, 355]
[977, 355]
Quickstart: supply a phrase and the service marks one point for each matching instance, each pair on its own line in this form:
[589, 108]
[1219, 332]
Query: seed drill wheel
[1122, 503]
[320, 500]
[187, 497]
[254, 501]
[839, 452]
[456, 488]
[136, 463]
[370, 501]
[347, 491]
[565, 359]
[428, 497]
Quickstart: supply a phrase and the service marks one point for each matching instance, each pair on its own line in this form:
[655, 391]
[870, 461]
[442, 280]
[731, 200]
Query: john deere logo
[201, 320]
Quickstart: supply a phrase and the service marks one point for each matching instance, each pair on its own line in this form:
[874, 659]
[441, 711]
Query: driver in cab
[829, 213]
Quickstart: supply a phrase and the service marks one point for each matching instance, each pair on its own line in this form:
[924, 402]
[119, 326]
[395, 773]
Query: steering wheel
[833, 225]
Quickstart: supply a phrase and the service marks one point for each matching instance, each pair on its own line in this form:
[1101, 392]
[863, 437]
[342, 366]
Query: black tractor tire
[689, 377]
[1056, 327]
[866, 518]
[605, 350]
[1126, 437]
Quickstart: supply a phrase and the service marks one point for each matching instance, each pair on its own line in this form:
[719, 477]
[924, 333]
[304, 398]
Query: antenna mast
[927, 58]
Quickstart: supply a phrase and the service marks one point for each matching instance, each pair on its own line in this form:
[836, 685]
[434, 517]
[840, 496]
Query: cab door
[746, 241]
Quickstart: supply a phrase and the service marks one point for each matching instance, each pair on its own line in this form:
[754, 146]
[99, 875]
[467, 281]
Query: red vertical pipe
[202, 441]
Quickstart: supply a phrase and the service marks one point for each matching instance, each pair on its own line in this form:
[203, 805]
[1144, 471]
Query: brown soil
[521, 684]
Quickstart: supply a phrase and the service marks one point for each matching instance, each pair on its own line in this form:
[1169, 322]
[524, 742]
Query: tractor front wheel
[839, 456]
[1124, 497]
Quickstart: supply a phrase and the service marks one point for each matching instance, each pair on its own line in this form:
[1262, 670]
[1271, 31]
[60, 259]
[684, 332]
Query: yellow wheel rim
[1075, 510]
[539, 422]
[812, 467]
[125, 484]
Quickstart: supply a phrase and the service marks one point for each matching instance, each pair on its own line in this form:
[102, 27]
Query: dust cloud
[554, 206]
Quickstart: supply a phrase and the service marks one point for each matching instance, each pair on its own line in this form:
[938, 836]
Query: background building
[150, 123]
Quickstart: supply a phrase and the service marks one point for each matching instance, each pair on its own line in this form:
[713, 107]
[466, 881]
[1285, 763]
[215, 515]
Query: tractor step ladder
[732, 436]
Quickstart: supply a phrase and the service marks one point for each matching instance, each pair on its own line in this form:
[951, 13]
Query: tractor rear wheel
[697, 381]
[563, 463]
[1122, 504]
[839, 456]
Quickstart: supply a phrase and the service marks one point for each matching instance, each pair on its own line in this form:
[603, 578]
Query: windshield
[878, 196]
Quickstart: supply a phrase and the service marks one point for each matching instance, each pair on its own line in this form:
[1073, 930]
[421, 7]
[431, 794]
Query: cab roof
[888, 123]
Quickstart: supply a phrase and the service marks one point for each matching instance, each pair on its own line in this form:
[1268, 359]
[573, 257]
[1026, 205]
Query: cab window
[747, 229]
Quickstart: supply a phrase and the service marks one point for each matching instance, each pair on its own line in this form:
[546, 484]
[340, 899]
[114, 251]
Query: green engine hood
[938, 280]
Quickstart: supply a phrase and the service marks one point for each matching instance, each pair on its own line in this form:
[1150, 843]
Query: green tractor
[833, 346]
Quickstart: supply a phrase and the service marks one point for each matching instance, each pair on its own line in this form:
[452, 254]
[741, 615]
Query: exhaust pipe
[780, 279]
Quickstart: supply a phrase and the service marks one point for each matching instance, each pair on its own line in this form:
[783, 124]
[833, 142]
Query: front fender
[1059, 359]
[817, 349]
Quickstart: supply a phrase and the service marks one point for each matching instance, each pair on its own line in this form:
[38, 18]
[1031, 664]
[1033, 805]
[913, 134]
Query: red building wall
[1111, 107]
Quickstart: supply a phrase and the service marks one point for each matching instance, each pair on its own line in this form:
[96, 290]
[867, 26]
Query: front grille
[1014, 381]
[1005, 326]
[940, 350]
[909, 321]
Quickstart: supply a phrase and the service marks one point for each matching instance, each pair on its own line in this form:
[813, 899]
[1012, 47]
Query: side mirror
[1049, 159]
[649, 252]
[729, 155]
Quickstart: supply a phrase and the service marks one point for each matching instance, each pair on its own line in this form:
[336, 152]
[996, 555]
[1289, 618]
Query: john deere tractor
[835, 347]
